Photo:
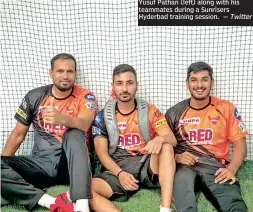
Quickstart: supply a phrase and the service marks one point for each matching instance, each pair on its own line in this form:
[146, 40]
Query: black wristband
[120, 172]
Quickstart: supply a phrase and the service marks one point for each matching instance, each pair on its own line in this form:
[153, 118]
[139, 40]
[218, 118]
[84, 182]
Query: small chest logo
[213, 120]
[122, 125]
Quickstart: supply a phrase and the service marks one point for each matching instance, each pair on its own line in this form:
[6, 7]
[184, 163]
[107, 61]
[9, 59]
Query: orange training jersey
[46, 136]
[130, 139]
[207, 131]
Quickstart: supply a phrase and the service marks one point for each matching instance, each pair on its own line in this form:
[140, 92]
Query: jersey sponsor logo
[194, 120]
[160, 122]
[121, 125]
[237, 114]
[213, 120]
[98, 118]
[96, 131]
[129, 141]
[242, 126]
[52, 127]
[21, 113]
[89, 97]
[91, 105]
[200, 136]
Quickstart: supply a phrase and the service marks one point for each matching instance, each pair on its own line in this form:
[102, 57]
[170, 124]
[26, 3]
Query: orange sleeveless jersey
[206, 131]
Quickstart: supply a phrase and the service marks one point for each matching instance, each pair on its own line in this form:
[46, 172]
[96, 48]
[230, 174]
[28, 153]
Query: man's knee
[185, 177]
[5, 162]
[101, 187]
[238, 207]
[167, 154]
[73, 136]
[4, 165]
[73, 132]
[232, 200]
[234, 206]
[167, 149]
[7, 172]
[164, 158]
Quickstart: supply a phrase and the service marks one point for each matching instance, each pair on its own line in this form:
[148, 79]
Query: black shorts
[143, 173]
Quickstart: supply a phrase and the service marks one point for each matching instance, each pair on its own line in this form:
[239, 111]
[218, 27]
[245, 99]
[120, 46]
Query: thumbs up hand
[52, 115]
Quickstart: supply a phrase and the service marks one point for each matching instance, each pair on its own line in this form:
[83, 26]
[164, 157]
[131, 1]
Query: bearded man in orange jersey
[61, 114]
[135, 145]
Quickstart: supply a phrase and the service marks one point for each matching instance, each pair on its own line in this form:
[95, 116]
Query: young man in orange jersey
[135, 162]
[61, 114]
[205, 126]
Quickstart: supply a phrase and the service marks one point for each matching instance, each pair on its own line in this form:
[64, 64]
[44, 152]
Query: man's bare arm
[82, 122]
[168, 137]
[126, 179]
[154, 146]
[101, 147]
[14, 140]
[239, 154]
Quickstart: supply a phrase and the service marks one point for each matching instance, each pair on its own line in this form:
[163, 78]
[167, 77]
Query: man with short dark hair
[61, 114]
[204, 127]
[134, 144]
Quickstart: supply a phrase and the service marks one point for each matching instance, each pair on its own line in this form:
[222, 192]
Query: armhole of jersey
[111, 125]
[143, 119]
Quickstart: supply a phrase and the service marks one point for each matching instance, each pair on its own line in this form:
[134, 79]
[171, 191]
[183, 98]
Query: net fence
[102, 34]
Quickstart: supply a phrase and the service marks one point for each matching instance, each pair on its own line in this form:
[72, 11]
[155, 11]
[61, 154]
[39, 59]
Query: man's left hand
[52, 115]
[223, 175]
[154, 146]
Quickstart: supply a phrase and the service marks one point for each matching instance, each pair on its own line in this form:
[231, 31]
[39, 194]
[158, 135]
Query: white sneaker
[163, 209]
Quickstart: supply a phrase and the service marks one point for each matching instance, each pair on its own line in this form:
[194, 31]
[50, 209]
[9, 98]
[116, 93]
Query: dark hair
[63, 56]
[122, 68]
[199, 66]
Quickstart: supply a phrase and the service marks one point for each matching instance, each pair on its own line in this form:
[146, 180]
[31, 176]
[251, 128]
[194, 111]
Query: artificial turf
[148, 200]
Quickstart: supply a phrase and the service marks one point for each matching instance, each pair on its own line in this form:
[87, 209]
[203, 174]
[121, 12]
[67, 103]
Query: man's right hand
[186, 158]
[128, 181]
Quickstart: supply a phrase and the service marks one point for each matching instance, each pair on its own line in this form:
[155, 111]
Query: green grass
[148, 200]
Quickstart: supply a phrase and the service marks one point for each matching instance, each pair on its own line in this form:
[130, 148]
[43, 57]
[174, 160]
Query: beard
[194, 96]
[126, 99]
[63, 88]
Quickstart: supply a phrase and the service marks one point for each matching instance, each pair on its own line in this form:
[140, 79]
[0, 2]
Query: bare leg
[163, 164]
[101, 191]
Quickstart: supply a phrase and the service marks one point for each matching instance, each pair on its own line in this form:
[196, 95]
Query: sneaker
[163, 209]
[56, 208]
[62, 204]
